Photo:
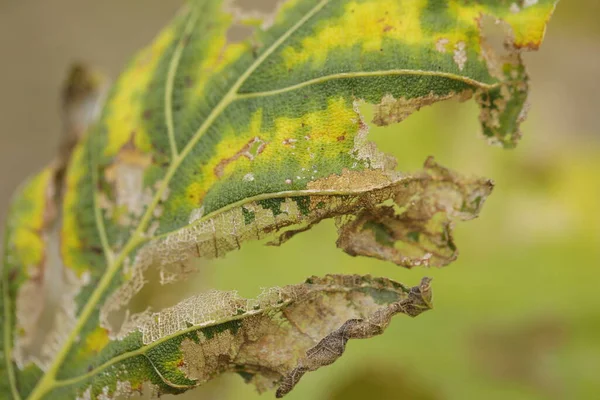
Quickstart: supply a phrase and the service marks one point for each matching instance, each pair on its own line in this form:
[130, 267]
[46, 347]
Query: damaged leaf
[238, 125]
[270, 341]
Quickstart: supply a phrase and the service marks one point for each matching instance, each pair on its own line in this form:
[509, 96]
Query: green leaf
[208, 140]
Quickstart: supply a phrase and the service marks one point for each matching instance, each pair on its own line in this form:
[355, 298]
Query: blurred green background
[517, 316]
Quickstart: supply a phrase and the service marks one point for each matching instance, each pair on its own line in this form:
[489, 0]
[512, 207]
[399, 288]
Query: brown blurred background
[518, 316]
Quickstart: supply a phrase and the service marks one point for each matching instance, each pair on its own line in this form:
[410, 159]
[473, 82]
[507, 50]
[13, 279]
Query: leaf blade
[250, 121]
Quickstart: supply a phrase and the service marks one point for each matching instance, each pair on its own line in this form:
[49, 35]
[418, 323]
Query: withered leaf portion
[36, 275]
[332, 346]
[416, 229]
[270, 340]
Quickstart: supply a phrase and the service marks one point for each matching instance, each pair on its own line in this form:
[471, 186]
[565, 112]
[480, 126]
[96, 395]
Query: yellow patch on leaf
[366, 24]
[529, 25]
[195, 193]
[327, 131]
[96, 341]
[26, 239]
[466, 16]
[124, 110]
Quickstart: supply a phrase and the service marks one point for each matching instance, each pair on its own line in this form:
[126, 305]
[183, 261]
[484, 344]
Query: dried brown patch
[392, 110]
[352, 181]
[289, 331]
[417, 228]
[126, 174]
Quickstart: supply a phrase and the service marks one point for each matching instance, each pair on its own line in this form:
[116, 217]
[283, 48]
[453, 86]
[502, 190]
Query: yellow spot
[96, 341]
[28, 224]
[329, 132]
[287, 127]
[366, 24]
[466, 17]
[195, 193]
[529, 25]
[124, 110]
[29, 247]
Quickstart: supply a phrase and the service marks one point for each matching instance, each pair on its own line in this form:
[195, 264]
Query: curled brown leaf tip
[415, 227]
[332, 346]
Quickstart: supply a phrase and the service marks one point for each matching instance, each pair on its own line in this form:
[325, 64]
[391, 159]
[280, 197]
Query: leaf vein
[350, 75]
[172, 72]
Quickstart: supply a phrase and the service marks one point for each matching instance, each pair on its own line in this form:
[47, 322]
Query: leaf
[278, 336]
[207, 141]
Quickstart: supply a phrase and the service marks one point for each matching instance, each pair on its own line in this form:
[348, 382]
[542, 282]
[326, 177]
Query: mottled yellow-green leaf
[45, 261]
[209, 139]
